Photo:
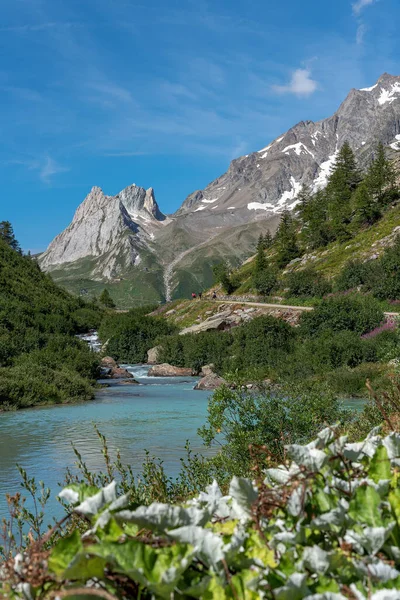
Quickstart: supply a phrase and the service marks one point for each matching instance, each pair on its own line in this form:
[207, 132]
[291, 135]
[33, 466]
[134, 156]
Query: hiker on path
[193, 296]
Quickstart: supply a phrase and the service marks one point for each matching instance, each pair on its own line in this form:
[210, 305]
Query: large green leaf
[364, 507]
[64, 553]
[380, 465]
[157, 569]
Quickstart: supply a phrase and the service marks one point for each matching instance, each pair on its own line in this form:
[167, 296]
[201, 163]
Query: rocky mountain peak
[140, 203]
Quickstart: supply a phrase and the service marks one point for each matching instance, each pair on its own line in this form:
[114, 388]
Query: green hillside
[41, 360]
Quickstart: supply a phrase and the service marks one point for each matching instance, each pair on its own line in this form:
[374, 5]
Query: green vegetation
[343, 341]
[41, 360]
[106, 300]
[128, 336]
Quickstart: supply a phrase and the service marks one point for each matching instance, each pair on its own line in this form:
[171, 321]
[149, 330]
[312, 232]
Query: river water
[159, 415]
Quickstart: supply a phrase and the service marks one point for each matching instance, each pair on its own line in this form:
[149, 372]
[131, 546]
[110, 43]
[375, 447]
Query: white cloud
[360, 4]
[300, 84]
[361, 30]
[46, 167]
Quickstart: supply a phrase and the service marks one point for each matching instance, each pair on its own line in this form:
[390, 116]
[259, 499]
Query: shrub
[353, 274]
[131, 335]
[353, 313]
[307, 283]
[261, 342]
[265, 281]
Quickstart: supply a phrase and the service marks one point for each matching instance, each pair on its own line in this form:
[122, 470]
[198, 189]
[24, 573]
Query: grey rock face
[115, 228]
[265, 182]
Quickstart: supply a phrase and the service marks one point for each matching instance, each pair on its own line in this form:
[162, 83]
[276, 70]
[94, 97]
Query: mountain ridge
[118, 232]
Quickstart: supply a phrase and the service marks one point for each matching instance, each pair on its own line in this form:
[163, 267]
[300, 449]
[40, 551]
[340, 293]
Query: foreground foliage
[325, 525]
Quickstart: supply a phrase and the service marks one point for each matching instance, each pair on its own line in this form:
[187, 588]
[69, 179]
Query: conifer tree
[366, 209]
[381, 179]
[264, 276]
[7, 234]
[268, 240]
[260, 243]
[286, 240]
[343, 181]
[106, 299]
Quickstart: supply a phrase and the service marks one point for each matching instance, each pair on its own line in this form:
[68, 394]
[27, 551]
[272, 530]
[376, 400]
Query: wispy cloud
[46, 167]
[358, 7]
[360, 4]
[301, 84]
[361, 31]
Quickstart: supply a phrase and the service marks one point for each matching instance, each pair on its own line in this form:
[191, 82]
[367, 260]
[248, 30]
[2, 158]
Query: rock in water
[153, 355]
[210, 382]
[166, 370]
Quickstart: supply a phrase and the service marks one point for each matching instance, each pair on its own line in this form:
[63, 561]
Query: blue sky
[164, 93]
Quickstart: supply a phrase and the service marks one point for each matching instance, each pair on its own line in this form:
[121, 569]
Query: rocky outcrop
[210, 382]
[166, 370]
[111, 370]
[153, 355]
[111, 231]
[207, 370]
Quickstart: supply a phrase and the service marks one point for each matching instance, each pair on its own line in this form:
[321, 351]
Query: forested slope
[41, 360]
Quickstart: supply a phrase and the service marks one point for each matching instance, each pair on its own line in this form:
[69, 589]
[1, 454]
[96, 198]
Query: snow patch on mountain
[324, 172]
[389, 95]
[369, 89]
[298, 148]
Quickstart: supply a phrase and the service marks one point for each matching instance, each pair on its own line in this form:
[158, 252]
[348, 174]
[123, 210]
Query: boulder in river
[166, 370]
[210, 382]
[153, 354]
[108, 363]
[111, 370]
[207, 370]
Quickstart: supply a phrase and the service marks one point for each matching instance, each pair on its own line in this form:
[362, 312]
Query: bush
[353, 275]
[307, 283]
[352, 382]
[197, 350]
[352, 313]
[262, 342]
[387, 286]
[131, 335]
[265, 281]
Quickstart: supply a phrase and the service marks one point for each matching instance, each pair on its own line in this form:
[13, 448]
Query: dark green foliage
[223, 275]
[353, 274]
[292, 414]
[197, 350]
[264, 276]
[381, 179]
[307, 283]
[40, 358]
[286, 240]
[315, 232]
[130, 335]
[106, 300]
[261, 342]
[387, 285]
[343, 181]
[7, 235]
[351, 313]
[366, 209]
